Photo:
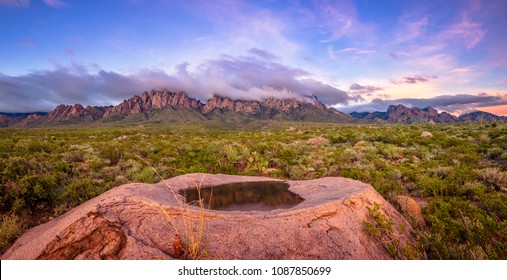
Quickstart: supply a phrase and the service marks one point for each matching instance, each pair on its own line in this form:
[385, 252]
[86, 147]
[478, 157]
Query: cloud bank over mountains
[255, 76]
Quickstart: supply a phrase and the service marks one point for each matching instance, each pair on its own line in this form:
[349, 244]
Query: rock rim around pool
[140, 221]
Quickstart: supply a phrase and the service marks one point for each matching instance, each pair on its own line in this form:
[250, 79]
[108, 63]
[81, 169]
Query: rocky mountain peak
[226, 103]
[157, 100]
[67, 112]
[253, 106]
[431, 111]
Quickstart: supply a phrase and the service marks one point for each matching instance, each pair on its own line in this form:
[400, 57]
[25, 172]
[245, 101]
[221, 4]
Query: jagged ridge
[149, 104]
[310, 109]
[403, 114]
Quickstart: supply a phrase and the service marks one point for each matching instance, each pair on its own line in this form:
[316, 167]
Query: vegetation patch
[459, 175]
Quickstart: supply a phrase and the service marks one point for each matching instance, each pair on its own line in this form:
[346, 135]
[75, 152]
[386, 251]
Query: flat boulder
[151, 221]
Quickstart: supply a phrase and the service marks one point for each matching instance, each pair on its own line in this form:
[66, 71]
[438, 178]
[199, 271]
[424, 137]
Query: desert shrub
[338, 139]
[113, 153]
[146, 175]
[495, 153]
[472, 190]
[493, 177]
[11, 227]
[38, 191]
[16, 167]
[496, 205]
[460, 230]
[350, 155]
[6, 146]
[96, 163]
[47, 172]
[432, 186]
[382, 229]
[80, 191]
[298, 172]
[74, 156]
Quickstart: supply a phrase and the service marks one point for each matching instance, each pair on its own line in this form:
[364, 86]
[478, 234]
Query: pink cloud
[464, 32]
[339, 19]
[462, 70]
[347, 53]
[411, 29]
[414, 79]
[366, 89]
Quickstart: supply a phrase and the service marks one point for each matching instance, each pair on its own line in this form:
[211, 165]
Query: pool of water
[248, 196]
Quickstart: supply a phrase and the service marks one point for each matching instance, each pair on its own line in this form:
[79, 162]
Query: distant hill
[403, 114]
[10, 119]
[480, 116]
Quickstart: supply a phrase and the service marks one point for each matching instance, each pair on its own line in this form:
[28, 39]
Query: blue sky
[355, 55]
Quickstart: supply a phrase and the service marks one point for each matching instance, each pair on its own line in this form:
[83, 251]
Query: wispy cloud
[414, 79]
[410, 28]
[28, 43]
[56, 3]
[465, 32]
[242, 26]
[339, 18]
[431, 43]
[15, 3]
[347, 53]
[463, 70]
[359, 89]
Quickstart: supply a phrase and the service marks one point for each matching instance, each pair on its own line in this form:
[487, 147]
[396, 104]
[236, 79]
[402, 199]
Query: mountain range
[162, 106]
[403, 114]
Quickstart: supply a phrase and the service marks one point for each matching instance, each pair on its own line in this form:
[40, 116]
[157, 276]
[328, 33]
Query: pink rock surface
[139, 221]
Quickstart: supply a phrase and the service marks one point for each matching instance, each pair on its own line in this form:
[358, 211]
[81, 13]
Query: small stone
[122, 138]
[410, 208]
[426, 134]
[317, 141]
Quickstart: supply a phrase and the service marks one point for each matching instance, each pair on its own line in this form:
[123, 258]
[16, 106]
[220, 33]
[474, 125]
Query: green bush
[11, 227]
[460, 172]
[146, 175]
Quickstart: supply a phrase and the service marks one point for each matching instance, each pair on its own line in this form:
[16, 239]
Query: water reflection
[259, 196]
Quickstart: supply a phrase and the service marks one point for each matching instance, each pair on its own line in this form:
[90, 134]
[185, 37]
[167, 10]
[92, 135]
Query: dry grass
[192, 232]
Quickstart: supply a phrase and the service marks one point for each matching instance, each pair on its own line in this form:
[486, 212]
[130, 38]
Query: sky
[354, 55]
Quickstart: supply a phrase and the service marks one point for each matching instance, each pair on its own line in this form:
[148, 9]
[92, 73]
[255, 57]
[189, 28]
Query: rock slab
[139, 221]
